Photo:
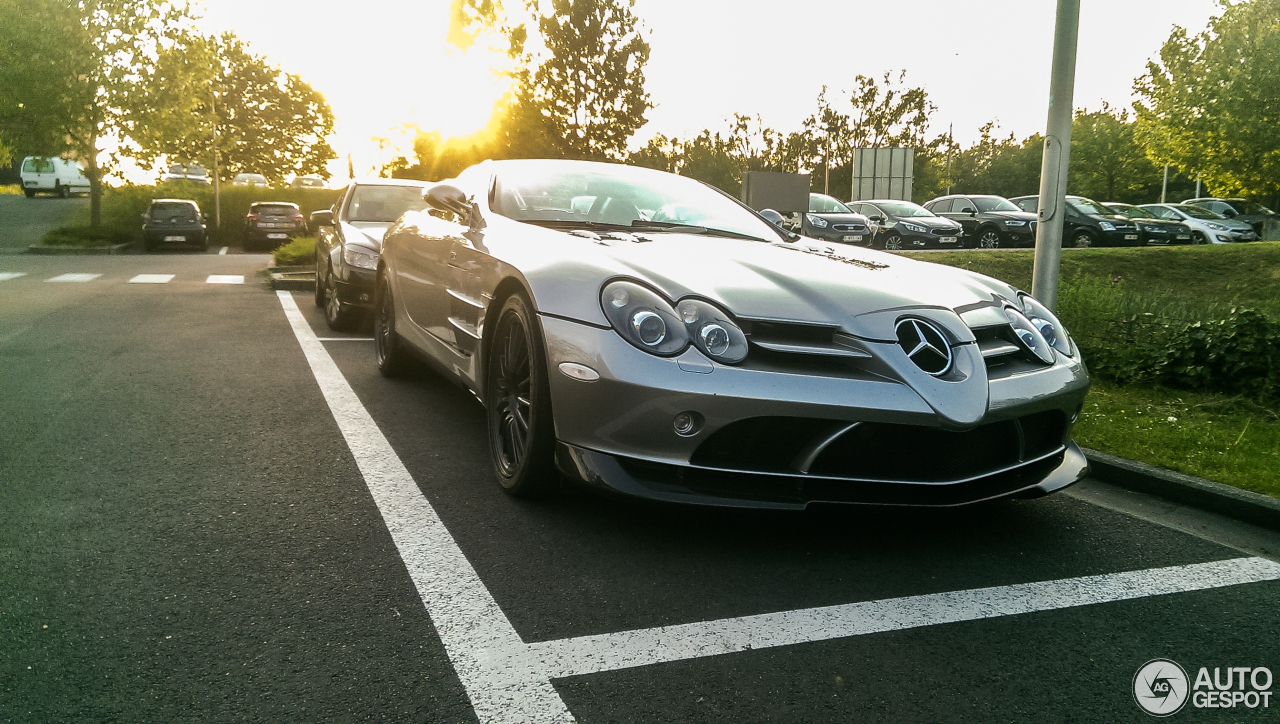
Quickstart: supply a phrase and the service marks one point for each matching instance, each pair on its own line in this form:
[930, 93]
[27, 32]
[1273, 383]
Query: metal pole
[826, 163]
[1057, 153]
[951, 143]
[1164, 185]
[217, 188]
[1197, 188]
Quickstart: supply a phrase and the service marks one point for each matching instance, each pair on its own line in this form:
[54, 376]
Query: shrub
[84, 236]
[298, 252]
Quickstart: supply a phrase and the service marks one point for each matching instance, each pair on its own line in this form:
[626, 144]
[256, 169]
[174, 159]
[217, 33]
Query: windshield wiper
[691, 229]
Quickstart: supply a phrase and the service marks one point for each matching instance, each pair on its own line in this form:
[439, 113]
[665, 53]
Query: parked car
[271, 223]
[193, 172]
[1089, 223]
[349, 240]
[55, 175]
[173, 222]
[249, 179]
[1250, 212]
[988, 221]
[902, 224]
[695, 354]
[1210, 226]
[307, 182]
[1152, 229]
[830, 220]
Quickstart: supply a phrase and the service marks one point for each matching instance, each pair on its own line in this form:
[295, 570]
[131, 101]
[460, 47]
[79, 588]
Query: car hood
[365, 233]
[808, 281]
[841, 218]
[1019, 215]
[930, 222]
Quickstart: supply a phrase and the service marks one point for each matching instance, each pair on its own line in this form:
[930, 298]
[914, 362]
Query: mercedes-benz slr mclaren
[648, 334]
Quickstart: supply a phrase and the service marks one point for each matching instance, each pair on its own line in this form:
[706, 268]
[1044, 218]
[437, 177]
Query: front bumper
[1120, 237]
[618, 432]
[861, 237]
[1157, 236]
[354, 285]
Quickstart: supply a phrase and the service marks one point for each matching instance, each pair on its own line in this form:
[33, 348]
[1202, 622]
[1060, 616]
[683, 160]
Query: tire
[988, 238]
[1082, 240]
[518, 403]
[340, 317]
[320, 297]
[30, 193]
[394, 360]
[1197, 237]
[893, 242]
[62, 191]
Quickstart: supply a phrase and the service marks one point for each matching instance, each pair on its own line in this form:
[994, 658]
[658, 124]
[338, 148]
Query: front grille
[855, 228]
[874, 451]
[946, 232]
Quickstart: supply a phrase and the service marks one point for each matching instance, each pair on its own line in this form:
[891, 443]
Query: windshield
[1196, 212]
[904, 209]
[1087, 206]
[1133, 212]
[1249, 207]
[173, 212]
[384, 203]
[564, 193]
[993, 203]
[823, 204]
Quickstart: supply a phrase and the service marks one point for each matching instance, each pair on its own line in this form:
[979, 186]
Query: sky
[382, 63]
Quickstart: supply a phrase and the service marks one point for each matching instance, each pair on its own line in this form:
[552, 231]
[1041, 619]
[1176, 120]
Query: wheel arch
[505, 289]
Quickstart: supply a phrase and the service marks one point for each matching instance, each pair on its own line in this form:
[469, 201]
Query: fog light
[687, 424]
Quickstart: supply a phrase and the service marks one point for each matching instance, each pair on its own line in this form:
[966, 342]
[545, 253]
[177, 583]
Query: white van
[58, 175]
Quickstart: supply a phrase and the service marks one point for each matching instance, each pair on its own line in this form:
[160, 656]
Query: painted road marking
[345, 339]
[74, 278]
[152, 279]
[225, 279]
[222, 251]
[508, 680]
[6, 276]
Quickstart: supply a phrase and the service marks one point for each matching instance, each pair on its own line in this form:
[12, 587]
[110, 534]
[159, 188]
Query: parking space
[222, 511]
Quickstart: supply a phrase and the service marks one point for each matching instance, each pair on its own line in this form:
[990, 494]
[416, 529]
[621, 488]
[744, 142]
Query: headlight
[1014, 222]
[913, 227]
[1106, 226]
[1031, 337]
[1046, 324]
[817, 221]
[360, 257]
[1215, 226]
[649, 322]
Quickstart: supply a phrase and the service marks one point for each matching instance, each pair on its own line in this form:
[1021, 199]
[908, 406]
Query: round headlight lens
[650, 328]
[1047, 324]
[1031, 339]
[715, 339]
[713, 332]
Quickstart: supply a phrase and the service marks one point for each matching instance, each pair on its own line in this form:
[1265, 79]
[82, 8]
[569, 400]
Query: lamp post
[1057, 153]
[217, 188]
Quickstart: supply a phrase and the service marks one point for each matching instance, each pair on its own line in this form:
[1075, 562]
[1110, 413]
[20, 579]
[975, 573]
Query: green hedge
[122, 207]
[85, 236]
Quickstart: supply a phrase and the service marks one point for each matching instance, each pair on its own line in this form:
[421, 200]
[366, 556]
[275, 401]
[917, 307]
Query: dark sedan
[830, 220]
[988, 221]
[1152, 229]
[173, 222]
[1088, 223]
[349, 240]
[903, 225]
[270, 223]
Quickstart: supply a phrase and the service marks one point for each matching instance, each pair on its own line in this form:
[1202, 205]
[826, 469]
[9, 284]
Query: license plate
[268, 226]
[175, 238]
[277, 236]
[1184, 236]
[948, 240]
[855, 237]
[1130, 237]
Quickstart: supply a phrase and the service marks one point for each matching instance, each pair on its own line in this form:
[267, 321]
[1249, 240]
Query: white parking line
[6, 276]
[74, 278]
[222, 251]
[225, 279]
[152, 279]
[508, 680]
[345, 339]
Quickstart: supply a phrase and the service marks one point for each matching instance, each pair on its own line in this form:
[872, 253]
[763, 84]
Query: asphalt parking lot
[216, 509]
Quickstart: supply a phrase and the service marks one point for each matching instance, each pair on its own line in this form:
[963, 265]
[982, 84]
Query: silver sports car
[645, 333]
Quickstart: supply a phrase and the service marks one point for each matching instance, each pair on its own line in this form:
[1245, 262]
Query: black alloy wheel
[394, 360]
[1082, 240]
[518, 403]
[893, 242]
[989, 239]
[1198, 237]
[340, 317]
[319, 283]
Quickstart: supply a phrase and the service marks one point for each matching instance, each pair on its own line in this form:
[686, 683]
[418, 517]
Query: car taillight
[252, 217]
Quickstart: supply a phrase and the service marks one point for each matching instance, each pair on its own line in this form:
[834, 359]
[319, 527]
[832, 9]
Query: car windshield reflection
[384, 204]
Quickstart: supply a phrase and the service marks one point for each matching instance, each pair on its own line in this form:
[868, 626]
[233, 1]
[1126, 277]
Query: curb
[1243, 505]
[43, 250]
[302, 281]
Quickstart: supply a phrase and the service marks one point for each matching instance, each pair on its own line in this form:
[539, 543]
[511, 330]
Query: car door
[422, 270]
[965, 212]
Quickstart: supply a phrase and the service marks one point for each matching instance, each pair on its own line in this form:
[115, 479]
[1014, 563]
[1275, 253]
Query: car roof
[174, 201]
[273, 203]
[391, 182]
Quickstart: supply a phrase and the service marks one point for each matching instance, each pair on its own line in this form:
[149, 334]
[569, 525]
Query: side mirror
[772, 217]
[322, 218]
[877, 219]
[447, 198]
[1230, 213]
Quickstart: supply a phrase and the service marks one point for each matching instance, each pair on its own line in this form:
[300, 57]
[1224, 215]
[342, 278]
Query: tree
[1211, 105]
[1005, 167]
[1107, 163]
[580, 89]
[206, 93]
[69, 74]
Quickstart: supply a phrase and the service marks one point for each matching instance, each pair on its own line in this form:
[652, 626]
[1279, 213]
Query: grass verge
[10, 189]
[298, 252]
[83, 236]
[1226, 438]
